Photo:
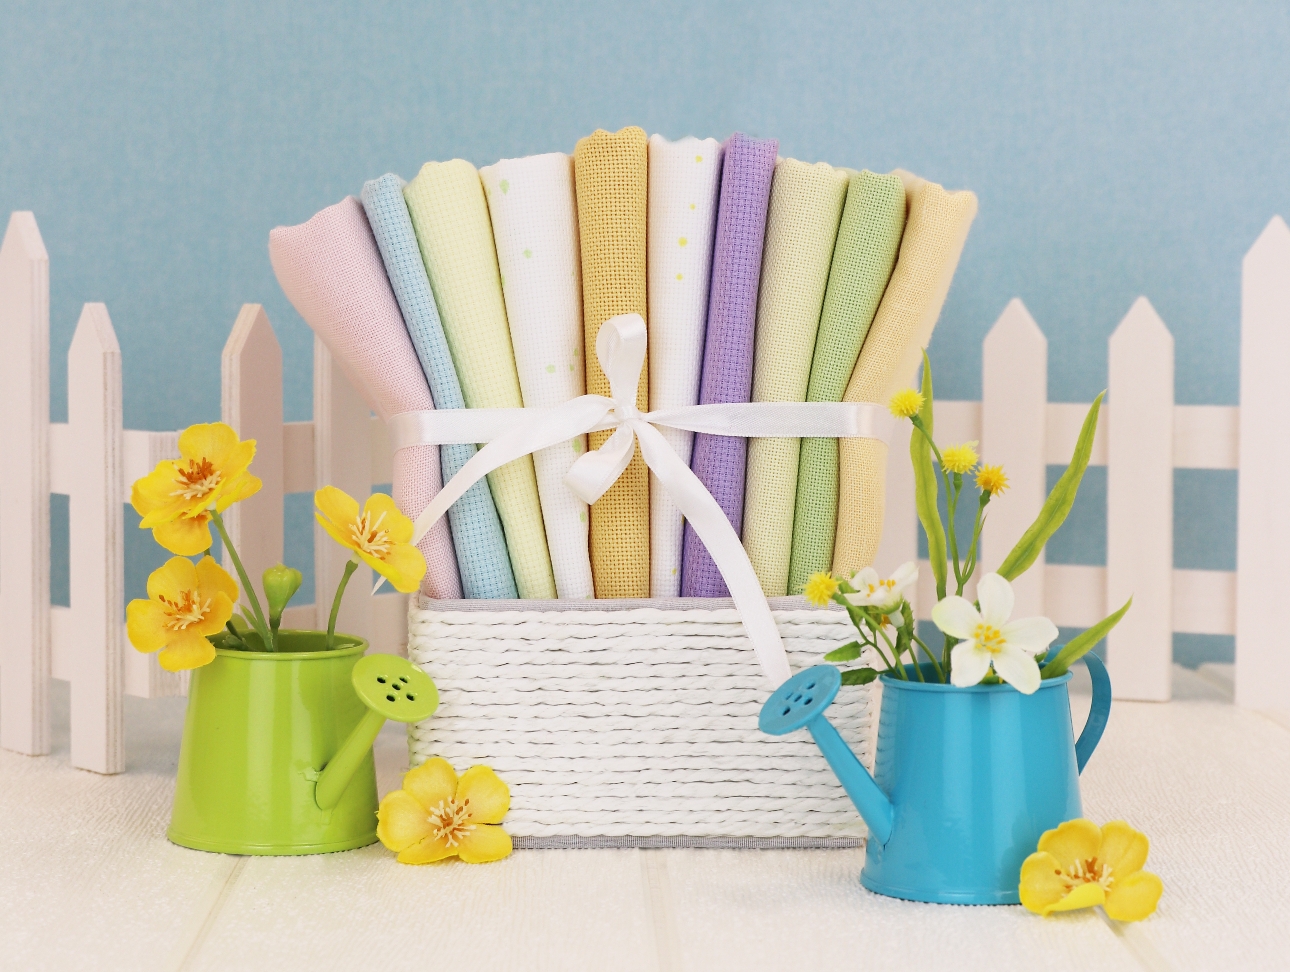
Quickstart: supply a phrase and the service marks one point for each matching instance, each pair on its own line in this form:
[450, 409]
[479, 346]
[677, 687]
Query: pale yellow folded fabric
[935, 232]
[450, 216]
[801, 226]
[611, 178]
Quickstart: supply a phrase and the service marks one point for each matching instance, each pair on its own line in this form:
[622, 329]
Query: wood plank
[251, 371]
[900, 528]
[298, 457]
[1263, 519]
[1207, 437]
[24, 488]
[382, 452]
[1065, 419]
[1014, 388]
[1139, 505]
[96, 521]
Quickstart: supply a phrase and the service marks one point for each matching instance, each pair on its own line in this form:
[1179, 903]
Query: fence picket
[1139, 505]
[24, 488]
[1263, 522]
[251, 369]
[96, 520]
[1014, 399]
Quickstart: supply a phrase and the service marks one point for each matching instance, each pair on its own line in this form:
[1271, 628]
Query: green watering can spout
[392, 688]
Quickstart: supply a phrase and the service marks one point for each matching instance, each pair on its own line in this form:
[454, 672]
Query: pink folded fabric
[331, 271]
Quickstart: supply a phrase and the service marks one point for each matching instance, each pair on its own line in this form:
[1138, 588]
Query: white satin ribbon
[511, 433]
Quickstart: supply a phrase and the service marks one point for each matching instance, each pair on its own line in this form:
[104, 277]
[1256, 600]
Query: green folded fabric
[868, 240]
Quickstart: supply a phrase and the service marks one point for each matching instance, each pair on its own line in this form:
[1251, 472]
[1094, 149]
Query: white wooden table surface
[88, 880]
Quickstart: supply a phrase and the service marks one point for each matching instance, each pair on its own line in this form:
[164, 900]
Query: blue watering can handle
[1098, 714]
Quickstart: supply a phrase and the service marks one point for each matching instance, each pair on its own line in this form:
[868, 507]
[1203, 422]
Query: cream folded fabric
[446, 203]
[801, 226]
[331, 271]
[935, 231]
[535, 227]
[611, 176]
[683, 180]
[868, 238]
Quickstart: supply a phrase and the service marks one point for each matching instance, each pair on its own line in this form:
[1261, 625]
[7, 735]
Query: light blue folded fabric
[476, 528]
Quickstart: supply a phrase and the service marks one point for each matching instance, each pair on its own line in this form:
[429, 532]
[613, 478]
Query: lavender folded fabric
[331, 271]
[476, 528]
[719, 461]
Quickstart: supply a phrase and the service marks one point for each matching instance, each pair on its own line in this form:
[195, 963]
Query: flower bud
[280, 585]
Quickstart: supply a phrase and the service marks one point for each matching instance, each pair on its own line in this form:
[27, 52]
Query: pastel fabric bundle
[801, 227]
[868, 239]
[683, 180]
[450, 216]
[535, 226]
[718, 461]
[935, 232]
[611, 175]
[476, 529]
[331, 271]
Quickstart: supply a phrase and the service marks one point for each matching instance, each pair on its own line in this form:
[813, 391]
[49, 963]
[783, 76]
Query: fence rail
[1143, 435]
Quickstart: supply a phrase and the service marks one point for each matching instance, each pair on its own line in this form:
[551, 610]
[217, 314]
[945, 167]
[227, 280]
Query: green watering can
[277, 750]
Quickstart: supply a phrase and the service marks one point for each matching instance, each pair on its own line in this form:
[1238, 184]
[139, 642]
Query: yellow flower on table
[176, 497]
[186, 602]
[438, 815]
[820, 588]
[959, 458]
[378, 534]
[905, 403]
[1080, 865]
[991, 479]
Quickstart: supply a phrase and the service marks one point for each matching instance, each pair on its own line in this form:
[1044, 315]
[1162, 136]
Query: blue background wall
[1118, 148]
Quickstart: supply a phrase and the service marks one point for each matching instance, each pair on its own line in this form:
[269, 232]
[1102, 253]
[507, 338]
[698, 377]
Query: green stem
[237, 636]
[260, 624]
[970, 567]
[952, 502]
[350, 567]
[940, 673]
[896, 668]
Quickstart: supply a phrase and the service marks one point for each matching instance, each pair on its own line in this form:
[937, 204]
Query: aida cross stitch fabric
[801, 227]
[683, 181]
[611, 177]
[935, 232]
[450, 216]
[747, 169]
[535, 227]
[873, 219]
[476, 529]
[331, 271]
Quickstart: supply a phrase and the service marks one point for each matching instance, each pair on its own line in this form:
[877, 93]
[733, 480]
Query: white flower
[990, 638]
[884, 595]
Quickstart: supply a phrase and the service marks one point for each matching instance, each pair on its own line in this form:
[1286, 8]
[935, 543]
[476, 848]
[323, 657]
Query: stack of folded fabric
[759, 279]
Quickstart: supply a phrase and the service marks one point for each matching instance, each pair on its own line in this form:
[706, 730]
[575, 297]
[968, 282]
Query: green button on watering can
[277, 750]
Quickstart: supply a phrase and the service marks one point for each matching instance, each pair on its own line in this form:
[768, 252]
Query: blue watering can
[965, 780]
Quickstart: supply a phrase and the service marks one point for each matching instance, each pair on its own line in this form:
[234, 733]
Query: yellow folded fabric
[801, 227]
[935, 232]
[611, 178]
[450, 216]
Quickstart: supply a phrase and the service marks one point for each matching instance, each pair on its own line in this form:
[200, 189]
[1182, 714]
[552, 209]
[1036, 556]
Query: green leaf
[848, 652]
[920, 454]
[1079, 646]
[1058, 504]
[859, 676]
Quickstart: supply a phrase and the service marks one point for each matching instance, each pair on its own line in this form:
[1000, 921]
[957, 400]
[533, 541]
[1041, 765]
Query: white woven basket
[634, 723]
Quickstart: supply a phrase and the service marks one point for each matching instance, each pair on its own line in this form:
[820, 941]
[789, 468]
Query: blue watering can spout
[800, 702]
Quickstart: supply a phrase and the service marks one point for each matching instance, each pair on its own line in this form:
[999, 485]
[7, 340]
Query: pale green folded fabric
[450, 215]
[801, 227]
[868, 240]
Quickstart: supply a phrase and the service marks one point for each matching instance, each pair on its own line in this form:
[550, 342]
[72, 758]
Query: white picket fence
[1142, 437]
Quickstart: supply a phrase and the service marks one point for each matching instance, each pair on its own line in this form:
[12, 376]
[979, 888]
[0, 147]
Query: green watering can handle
[1098, 714]
[392, 688]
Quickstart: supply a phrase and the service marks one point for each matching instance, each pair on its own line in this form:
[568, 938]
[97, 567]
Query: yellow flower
[959, 458]
[436, 815]
[186, 602]
[821, 588]
[905, 403]
[1079, 865]
[174, 499]
[990, 479]
[379, 535]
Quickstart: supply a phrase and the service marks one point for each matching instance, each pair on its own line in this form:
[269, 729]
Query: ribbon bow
[511, 433]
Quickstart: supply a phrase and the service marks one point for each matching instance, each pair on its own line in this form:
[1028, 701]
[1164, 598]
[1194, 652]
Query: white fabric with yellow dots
[684, 177]
[535, 228]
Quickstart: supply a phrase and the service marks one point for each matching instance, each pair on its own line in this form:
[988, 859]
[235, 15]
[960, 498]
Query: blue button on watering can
[965, 780]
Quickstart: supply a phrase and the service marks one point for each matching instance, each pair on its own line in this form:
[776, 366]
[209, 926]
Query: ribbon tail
[709, 522]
